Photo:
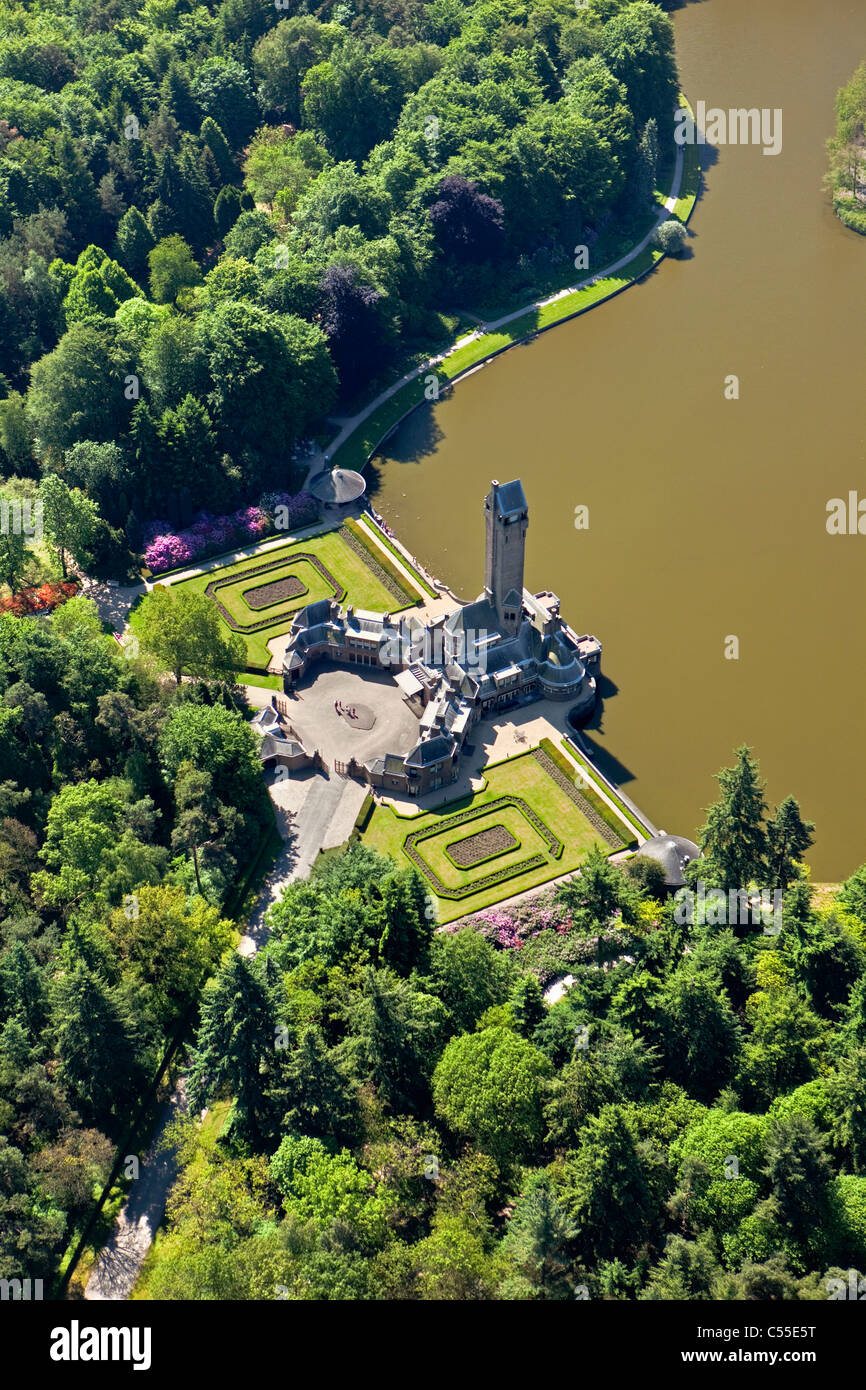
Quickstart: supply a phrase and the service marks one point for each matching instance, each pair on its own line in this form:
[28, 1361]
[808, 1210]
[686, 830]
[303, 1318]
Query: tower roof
[510, 497]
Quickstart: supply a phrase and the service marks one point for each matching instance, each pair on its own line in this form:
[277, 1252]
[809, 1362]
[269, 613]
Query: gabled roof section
[431, 750]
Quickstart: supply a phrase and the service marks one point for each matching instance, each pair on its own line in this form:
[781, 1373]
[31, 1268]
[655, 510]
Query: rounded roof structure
[552, 673]
[673, 852]
[338, 486]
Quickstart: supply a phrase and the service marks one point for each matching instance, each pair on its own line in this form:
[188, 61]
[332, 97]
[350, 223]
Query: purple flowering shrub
[543, 930]
[209, 535]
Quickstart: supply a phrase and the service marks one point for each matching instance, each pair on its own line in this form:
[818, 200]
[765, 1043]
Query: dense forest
[410, 1118]
[219, 222]
[129, 807]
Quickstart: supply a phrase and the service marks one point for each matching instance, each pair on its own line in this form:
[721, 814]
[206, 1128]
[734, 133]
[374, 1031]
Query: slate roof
[430, 750]
[317, 612]
[272, 746]
[476, 617]
[510, 498]
[338, 486]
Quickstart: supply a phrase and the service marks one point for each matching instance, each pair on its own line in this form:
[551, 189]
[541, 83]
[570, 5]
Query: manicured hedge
[386, 541]
[230, 580]
[535, 861]
[378, 562]
[362, 819]
[596, 811]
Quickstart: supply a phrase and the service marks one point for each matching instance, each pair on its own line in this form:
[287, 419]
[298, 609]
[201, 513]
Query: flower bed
[268, 595]
[479, 848]
[281, 563]
[478, 885]
[212, 535]
[42, 599]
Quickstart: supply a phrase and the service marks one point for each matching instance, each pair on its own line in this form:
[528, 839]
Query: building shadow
[614, 770]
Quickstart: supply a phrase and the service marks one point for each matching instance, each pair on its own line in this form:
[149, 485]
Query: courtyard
[372, 719]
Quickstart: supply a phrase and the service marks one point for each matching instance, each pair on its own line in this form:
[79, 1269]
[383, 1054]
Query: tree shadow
[412, 440]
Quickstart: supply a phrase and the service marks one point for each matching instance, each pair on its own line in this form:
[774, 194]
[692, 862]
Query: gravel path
[120, 1261]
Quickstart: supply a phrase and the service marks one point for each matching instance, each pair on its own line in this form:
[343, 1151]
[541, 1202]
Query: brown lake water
[707, 517]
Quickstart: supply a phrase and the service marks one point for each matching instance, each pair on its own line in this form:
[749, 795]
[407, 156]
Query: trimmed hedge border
[484, 858]
[536, 861]
[555, 772]
[231, 579]
[369, 524]
[392, 582]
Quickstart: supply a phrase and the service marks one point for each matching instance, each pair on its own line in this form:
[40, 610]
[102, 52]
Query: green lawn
[684, 206]
[233, 597]
[434, 850]
[363, 588]
[521, 776]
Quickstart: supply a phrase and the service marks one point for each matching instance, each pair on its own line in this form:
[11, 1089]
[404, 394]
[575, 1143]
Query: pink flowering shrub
[544, 931]
[167, 552]
[510, 927]
[209, 535]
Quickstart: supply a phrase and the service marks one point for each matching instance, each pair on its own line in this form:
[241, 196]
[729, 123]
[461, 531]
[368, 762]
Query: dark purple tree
[354, 323]
[469, 224]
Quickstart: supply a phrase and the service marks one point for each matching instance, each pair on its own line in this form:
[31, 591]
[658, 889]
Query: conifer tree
[788, 838]
[236, 1037]
[734, 839]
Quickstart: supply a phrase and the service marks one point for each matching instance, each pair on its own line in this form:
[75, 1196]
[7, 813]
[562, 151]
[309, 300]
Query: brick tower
[506, 516]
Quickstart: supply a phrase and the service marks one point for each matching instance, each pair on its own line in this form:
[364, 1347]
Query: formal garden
[258, 597]
[522, 829]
